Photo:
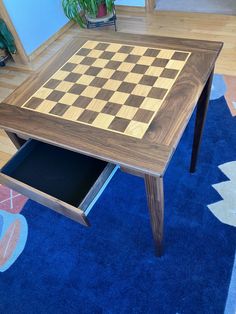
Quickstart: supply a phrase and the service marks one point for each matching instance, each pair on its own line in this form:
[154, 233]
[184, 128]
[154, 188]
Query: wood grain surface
[115, 87]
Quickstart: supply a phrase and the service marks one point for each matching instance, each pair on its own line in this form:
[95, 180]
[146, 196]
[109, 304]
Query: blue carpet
[110, 267]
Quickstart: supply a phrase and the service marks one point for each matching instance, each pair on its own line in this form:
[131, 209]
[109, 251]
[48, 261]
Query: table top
[123, 98]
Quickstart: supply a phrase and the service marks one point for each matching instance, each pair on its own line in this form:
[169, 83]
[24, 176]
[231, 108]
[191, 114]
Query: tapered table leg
[155, 198]
[202, 106]
[16, 140]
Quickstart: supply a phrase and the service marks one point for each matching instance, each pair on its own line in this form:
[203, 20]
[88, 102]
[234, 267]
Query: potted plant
[82, 10]
[7, 44]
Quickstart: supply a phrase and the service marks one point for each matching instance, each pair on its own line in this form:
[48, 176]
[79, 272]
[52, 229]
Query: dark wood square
[82, 102]
[55, 95]
[114, 65]
[88, 116]
[143, 115]
[77, 89]
[140, 69]
[134, 100]
[88, 61]
[151, 52]
[69, 67]
[132, 59]
[111, 108]
[159, 62]
[157, 93]
[93, 71]
[119, 124]
[98, 82]
[169, 73]
[101, 46]
[72, 77]
[52, 83]
[59, 109]
[83, 52]
[119, 75]
[104, 94]
[107, 55]
[148, 80]
[181, 56]
[33, 103]
[126, 87]
[126, 49]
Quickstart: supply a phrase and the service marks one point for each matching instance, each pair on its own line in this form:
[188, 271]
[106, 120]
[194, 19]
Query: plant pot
[3, 53]
[102, 10]
[3, 57]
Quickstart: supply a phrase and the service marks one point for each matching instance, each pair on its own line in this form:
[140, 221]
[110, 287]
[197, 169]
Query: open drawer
[65, 181]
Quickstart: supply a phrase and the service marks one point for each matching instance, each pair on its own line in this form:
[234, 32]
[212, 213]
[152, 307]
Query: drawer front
[64, 181]
[45, 199]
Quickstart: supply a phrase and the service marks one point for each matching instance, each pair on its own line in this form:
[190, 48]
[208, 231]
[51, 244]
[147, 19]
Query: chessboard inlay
[111, 86]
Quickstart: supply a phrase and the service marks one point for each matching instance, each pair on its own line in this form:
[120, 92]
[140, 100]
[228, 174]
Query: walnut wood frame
[147, 157]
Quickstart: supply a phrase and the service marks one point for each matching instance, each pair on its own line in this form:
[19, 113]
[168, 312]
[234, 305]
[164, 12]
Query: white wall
[35, 20]
[137, 3]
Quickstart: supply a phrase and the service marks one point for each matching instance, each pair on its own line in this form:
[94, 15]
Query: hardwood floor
[175, 24]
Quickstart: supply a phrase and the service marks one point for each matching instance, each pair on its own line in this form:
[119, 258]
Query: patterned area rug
[110, 268]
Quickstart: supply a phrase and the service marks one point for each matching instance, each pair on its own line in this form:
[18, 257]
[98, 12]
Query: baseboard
[54, 37]
[122, 9]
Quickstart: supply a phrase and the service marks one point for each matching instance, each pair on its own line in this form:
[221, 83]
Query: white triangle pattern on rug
[225, 210]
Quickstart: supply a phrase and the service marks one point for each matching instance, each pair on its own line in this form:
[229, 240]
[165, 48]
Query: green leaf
[6, 38]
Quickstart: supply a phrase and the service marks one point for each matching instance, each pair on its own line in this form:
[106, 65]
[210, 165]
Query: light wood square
[141, 90]
[136, 129]
[119, 98]
[119, 56]
[60, 75]
[163, 82]
[139, 51]
[151, 104]
[46, 106]
[76, 59]
[90, 91]
[85, 79]
[43, 93]
[112, 85]
[73, 113]
[166, 54]
[64, 86]
[127, 112]
[100, 63]
[90, 44]
[175, 64]
[106, 73]
[146, 60]
[95, 53]
[126, 67]
[133, 78]
[113, 47]
[154, 71]
[68, 99]
[80, 69]
[96, 105]
[103, 120]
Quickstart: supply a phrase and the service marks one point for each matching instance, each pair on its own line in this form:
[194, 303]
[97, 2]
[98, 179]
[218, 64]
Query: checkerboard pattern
[111, 86]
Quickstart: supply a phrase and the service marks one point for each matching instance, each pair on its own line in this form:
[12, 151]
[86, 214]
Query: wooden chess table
[106, 99]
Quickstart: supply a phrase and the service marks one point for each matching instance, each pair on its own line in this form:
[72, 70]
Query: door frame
[150, 5]
[20, 56]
